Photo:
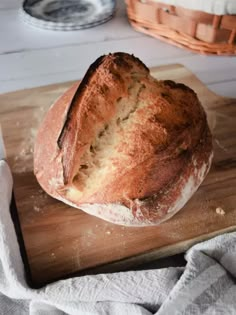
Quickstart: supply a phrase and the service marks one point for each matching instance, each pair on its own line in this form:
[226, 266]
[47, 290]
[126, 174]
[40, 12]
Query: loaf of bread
[124, 146]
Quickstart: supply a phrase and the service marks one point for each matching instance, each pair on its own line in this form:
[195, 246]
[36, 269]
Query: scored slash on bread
[124, 146]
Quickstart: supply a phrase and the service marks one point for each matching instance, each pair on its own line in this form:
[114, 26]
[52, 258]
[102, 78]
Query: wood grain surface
[60, 240]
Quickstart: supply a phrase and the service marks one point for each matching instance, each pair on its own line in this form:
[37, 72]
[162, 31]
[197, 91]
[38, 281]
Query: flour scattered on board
[39, 200]
[222, 147]
[77, 259]
[53, 256]
[23, 161]
[37, 209]
[90, 232]
[76, 254]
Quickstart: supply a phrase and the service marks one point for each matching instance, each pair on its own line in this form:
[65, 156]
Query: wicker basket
[196, 30]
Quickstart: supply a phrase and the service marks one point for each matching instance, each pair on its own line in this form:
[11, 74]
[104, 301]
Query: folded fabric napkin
[218, 7]
[205, 286]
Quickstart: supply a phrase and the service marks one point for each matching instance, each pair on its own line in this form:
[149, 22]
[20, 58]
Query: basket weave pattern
[196, 30]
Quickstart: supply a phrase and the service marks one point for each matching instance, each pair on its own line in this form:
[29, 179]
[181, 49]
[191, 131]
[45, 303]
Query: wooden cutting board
[60, 240]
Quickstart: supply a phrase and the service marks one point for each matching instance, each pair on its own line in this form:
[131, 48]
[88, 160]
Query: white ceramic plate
[66, 15]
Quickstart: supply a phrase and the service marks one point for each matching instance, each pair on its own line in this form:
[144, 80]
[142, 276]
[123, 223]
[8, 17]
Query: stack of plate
[67, 15]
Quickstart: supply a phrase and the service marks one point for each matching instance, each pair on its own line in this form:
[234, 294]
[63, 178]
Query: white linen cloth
[218, 7]
[205, 286]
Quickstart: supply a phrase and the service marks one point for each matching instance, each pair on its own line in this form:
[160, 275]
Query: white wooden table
[31, 57]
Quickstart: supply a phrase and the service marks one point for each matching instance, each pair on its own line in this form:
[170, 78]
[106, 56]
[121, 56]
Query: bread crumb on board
[37, 209]
[53, 256]
[220, 211]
